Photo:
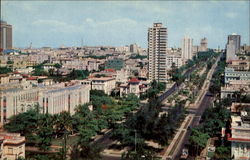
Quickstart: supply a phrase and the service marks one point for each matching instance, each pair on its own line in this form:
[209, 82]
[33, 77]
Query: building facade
[5, 35]
[187, 47]
[157, 52]
[106, 84]
[240, 131]
[51, 99]
[12, 146]
[236, 39]
[231, 74]
[203, 45]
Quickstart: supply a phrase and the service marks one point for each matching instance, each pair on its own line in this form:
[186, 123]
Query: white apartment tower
[187, 46]
[157, 52]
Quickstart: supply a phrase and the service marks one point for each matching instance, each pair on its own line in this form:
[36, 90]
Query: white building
[51, 99]
[173, 59]
[240, 131]
[231, 51]
[203, 45]
[187, 47]
[106, 84]
[230, 74]
[12, 146]
[157, 47]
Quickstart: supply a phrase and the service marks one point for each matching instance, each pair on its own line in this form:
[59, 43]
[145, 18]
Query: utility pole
[135, 140]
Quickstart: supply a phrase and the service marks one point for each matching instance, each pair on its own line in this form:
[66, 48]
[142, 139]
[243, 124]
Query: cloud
[231, 15]
[55, 25]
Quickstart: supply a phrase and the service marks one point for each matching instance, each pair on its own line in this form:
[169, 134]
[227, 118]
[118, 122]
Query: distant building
[12, 146]
[187, 46]
[233, 46]
[6, 35]
[231, 51]
[195, 50]
[133, 48]
[203, 45]
[240, 131]
[236, 40]
[157, 52]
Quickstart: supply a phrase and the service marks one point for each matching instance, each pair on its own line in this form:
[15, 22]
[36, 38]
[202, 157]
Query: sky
[119, 23]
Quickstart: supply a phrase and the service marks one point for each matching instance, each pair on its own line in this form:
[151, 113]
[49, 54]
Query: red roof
[134, 80]
[16, 72]
[31, 78]
[109, 70]
[25, 75]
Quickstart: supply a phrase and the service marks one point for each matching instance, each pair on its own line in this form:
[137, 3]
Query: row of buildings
[236, 86]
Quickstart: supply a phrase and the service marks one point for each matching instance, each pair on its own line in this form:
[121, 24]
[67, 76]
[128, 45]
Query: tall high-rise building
[203, 45]
[232, 47]
[157, 52]
[187, 49]
[236, 40]
[231, 50]
[6, 35]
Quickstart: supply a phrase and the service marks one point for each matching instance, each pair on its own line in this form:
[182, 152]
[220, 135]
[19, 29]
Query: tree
[222, 153]
[5, 70]
[45, 131]
[57, 65]
[198, 139]
[61, 123]
[24, 123]
[86, 151]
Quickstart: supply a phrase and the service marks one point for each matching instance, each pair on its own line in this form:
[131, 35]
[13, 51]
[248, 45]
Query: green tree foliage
[137, 56]
[5, 70]
[198, 139]
[222, 153]
[214, 119]
[45, 131]
[62, 123]
[57, 65]
[86, 151]
[24, 123]
[78, 74]
[99, 98]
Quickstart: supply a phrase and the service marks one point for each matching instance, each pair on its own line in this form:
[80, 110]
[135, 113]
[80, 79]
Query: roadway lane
[206, 102]
[175, 87]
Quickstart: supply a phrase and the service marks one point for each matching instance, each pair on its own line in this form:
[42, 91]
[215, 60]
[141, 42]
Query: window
[10, 150]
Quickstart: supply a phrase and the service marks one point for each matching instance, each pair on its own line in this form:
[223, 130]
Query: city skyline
[122, 23]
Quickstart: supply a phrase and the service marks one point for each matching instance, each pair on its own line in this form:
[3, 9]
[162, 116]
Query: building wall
[51, 100]
[230, 74]
[240, 150]
[105, 85]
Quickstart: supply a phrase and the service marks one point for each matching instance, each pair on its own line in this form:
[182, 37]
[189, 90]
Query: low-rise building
[240, 131]
[239, 65]
[231, 74]
[12, 146]
[233, 87]
[51, 99]
[4, 78]
[106, 84]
